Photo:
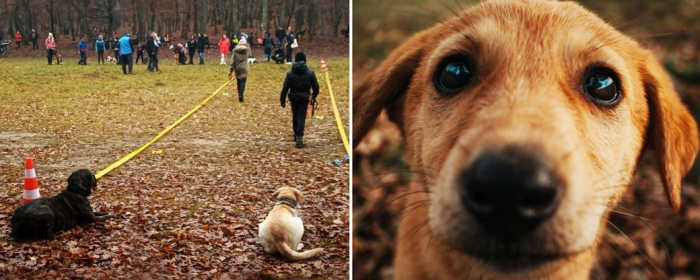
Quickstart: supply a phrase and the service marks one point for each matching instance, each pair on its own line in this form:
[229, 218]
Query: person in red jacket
[18, 39]
[224, 44]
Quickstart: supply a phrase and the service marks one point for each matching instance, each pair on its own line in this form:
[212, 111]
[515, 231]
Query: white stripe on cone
[31, 194]
[29, 173]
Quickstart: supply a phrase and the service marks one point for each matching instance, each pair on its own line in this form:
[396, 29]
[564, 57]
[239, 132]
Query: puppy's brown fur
[282, 229]
[530, 59]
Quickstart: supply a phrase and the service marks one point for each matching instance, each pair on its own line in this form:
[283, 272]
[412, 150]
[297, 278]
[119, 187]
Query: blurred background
[651, 243]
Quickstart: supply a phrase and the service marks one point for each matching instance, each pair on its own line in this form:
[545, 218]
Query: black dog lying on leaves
[43, 218]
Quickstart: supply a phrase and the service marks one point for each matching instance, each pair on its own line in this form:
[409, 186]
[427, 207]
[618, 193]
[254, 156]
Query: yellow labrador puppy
[282, 230]
[523, 125]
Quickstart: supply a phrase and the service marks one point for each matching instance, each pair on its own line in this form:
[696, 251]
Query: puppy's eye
[453, 75]
[602, 86]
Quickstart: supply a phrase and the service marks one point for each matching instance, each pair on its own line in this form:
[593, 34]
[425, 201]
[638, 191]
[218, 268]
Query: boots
[300, 141]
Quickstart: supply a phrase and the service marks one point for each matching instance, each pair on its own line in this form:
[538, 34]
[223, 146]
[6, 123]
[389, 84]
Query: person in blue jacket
[125, 53]
[100, 47]
[82, 50]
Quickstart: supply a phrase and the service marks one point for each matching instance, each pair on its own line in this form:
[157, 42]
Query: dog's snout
[510, 192]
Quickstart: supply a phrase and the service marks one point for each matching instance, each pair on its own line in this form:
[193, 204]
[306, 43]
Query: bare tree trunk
[263, 21]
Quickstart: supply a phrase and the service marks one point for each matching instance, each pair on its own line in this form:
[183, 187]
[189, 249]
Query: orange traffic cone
[323, 65]
[31, 186]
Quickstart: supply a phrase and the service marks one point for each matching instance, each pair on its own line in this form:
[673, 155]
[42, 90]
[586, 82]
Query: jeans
[49, 55]
[240, 83]
[191, 55]
[201, 57]
[139, 55]
[299, 108]
[268, 51]
[127, 59]
[101, 57]
[153, 61]
[83, 57]
[35, 46]
[289, 52]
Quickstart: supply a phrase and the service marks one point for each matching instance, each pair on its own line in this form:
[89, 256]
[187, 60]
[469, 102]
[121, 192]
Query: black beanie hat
[300, 56]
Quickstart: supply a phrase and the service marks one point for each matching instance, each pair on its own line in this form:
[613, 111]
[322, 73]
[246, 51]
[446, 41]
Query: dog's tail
[284, 249]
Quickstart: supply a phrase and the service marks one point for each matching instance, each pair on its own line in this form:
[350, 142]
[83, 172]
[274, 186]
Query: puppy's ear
[276, 193]
[383, 87]
[298, 195]
[672, 132]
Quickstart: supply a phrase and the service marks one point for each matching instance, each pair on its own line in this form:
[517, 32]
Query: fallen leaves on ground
[188, 206]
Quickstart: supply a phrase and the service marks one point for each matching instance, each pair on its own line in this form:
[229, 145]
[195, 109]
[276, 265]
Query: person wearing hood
[240, 65]
[125, 53]
[302, 85]
[100, 47]
[50, 47]
[82, 50]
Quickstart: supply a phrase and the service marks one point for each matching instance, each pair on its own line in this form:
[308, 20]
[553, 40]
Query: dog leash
[137, 151]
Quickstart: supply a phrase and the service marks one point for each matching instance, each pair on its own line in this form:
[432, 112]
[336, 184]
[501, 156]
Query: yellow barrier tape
[136, 152]
[337, 117]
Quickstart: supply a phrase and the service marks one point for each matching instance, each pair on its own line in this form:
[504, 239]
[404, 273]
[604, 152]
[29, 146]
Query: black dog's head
[81, 182]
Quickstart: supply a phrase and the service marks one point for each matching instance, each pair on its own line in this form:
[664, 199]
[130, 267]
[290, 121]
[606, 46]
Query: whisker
[638, 249]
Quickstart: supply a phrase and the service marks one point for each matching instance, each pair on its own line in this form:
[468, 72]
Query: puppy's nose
[510, 192]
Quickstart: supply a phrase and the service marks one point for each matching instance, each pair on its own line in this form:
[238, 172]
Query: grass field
[189, 204]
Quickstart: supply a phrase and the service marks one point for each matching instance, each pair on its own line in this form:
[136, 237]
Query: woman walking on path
[240, 66]
[300, 82]
[224, 44]
[50, 47]
[100, 47]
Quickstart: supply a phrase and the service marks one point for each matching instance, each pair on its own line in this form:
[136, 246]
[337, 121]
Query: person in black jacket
[290, 40]
[200, 48]
[152, 44]
[300, 82]
[35, 38]
[280, 36]
[191, 47]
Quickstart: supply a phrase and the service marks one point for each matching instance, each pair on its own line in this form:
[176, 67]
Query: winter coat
[18, 37]
[192, 45]
[268, 42]
[200, 44]
[240, 60]
[125, 45]
[50, 44]
[279, 34]
[300, 82]
[82, 46]
[100, 46]
[224, 46]
[35, 36]
[290, 39]
[151, 46]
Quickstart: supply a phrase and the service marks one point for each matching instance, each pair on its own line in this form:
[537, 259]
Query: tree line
[178, 18]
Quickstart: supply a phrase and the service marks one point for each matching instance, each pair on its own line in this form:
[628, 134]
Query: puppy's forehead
[533, 27]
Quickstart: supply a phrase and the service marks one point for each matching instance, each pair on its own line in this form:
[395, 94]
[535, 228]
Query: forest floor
[189, 205]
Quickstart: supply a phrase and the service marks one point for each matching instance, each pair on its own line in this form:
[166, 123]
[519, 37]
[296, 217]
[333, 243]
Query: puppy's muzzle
[510, 191]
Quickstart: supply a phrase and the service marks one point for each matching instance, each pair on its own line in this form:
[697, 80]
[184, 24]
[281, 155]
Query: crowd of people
[300, 85]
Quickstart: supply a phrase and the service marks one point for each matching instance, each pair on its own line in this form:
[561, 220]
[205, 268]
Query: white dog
[282, 230]
[251, 60]
[111, 60]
